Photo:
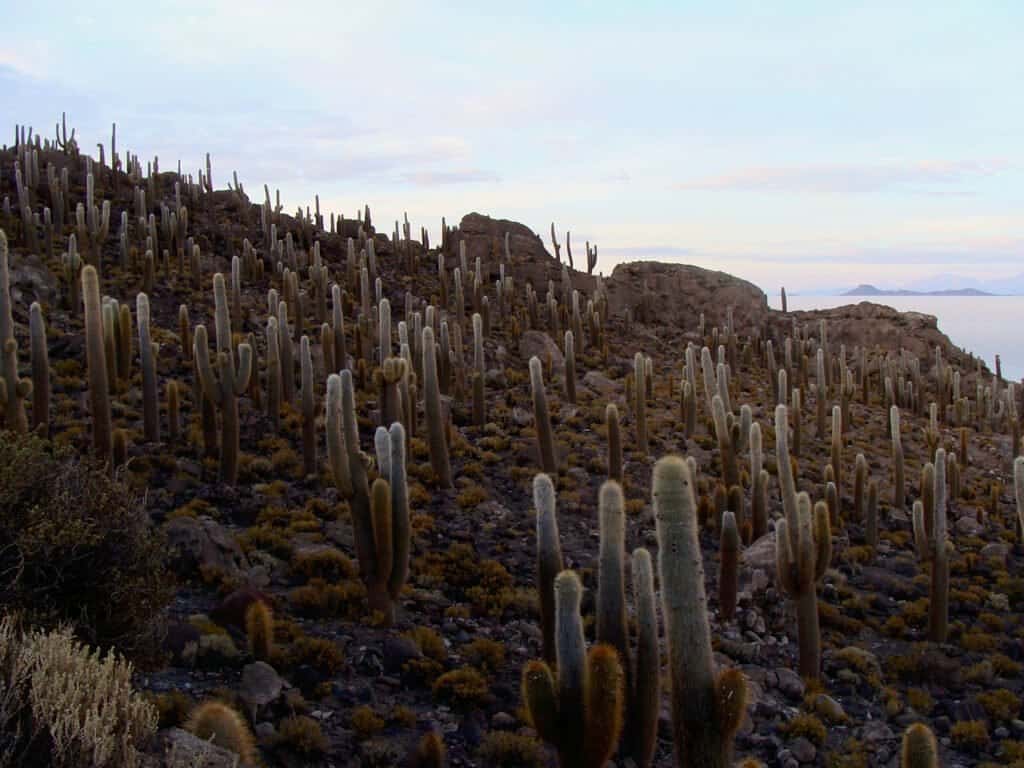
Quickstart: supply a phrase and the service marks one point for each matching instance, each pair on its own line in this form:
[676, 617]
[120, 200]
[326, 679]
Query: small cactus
[259, 629]
[919, 748]
[221, 725]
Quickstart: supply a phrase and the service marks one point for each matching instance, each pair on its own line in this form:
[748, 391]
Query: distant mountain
[870, 290]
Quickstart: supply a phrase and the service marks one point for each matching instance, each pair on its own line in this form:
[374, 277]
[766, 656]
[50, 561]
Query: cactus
[150, 386]
[337, 452]
[222, 387]
[259, 630]
[1018, 488]
[640, 407]
[432, 407]
[542, 419]
[173, 410]
[99, 397]
[611, 420]
[919, 749]
[309, 464]
[645, 693]
[580, 712]
[549, 560]
[13, 390]
[221, 725]
[726, 444]
[274, 384]
[797, 423]
[799, 567]
[837, 445]
[391, 374]
[570, 367]
[871, 515]
[706, 710]
[429, 752]
[928, 496]
[787, 485]
[728, 566]
[899, 494]
[932, 548]
[860, 482]
[40, 370]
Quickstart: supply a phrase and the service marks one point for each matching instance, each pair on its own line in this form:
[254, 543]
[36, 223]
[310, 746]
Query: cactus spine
[147, 356]
[799, 567]
[542, 418]
[99, 397]
[706, 710]
[580, 712]
[549, 559]
[432, 407]
[13, 390]
[932, 548]
[40, 370]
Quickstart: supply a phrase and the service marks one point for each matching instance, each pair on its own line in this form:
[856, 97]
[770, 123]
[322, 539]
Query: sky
[804, 144]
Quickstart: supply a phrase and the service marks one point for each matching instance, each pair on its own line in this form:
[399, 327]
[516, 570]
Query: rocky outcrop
[679, 293]
[877, 325]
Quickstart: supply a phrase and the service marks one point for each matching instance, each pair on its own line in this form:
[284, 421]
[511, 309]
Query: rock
[203, 543]
[600, 384]
[968, 526]
[829, 708]
[875, 731]
[886, 583]
[260, 685]
[231, 610]
[996, 549]
[539, 344]
[803, 750]
[679, 293]
[397, 651]
[790, 683]
[192, 751]
[760, 555]
[503, 721]
[522, 417]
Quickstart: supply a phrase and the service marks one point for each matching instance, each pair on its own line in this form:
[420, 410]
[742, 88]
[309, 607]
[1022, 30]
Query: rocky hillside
[342, 441]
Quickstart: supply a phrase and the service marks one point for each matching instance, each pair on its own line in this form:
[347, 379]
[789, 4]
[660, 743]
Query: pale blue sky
[791, 145]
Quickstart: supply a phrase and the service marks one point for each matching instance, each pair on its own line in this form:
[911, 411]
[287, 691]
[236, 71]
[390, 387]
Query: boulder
[539, 344]
[193, 751]
[260, 685]
[203, 543]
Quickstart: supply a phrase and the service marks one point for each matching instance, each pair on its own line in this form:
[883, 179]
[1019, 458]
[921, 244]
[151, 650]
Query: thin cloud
[441, 178]
[852, 178]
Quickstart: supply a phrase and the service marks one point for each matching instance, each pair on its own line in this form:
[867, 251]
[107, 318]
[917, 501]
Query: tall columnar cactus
[549, 559]
[309, 463]
[728, 566]
[611, 421]
[787, 485]
[479, 403]
[223, 387]
[821, 393]
[150, 386]
[860, 485]
[640, 409]
[706, 709]
[580, 712]
[932, 547]
[837, 445]
[759, 488]
[95, 355]
[40, 370]
[919, 748]
[570, 367]
[542, 419]
[1018, 487]
[799, 568]
[726, 443]
[645, 693]
[13, 390]
[899, 493]
[274, 385]
[435, 417]
[871, 515]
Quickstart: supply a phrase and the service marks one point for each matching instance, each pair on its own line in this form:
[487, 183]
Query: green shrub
[78, 549]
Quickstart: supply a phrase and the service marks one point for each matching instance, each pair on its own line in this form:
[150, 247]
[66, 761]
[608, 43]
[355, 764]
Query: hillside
[870, 290]
[238, 442]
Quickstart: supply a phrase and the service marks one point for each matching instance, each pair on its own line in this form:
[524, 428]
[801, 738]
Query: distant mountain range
[870, 290]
